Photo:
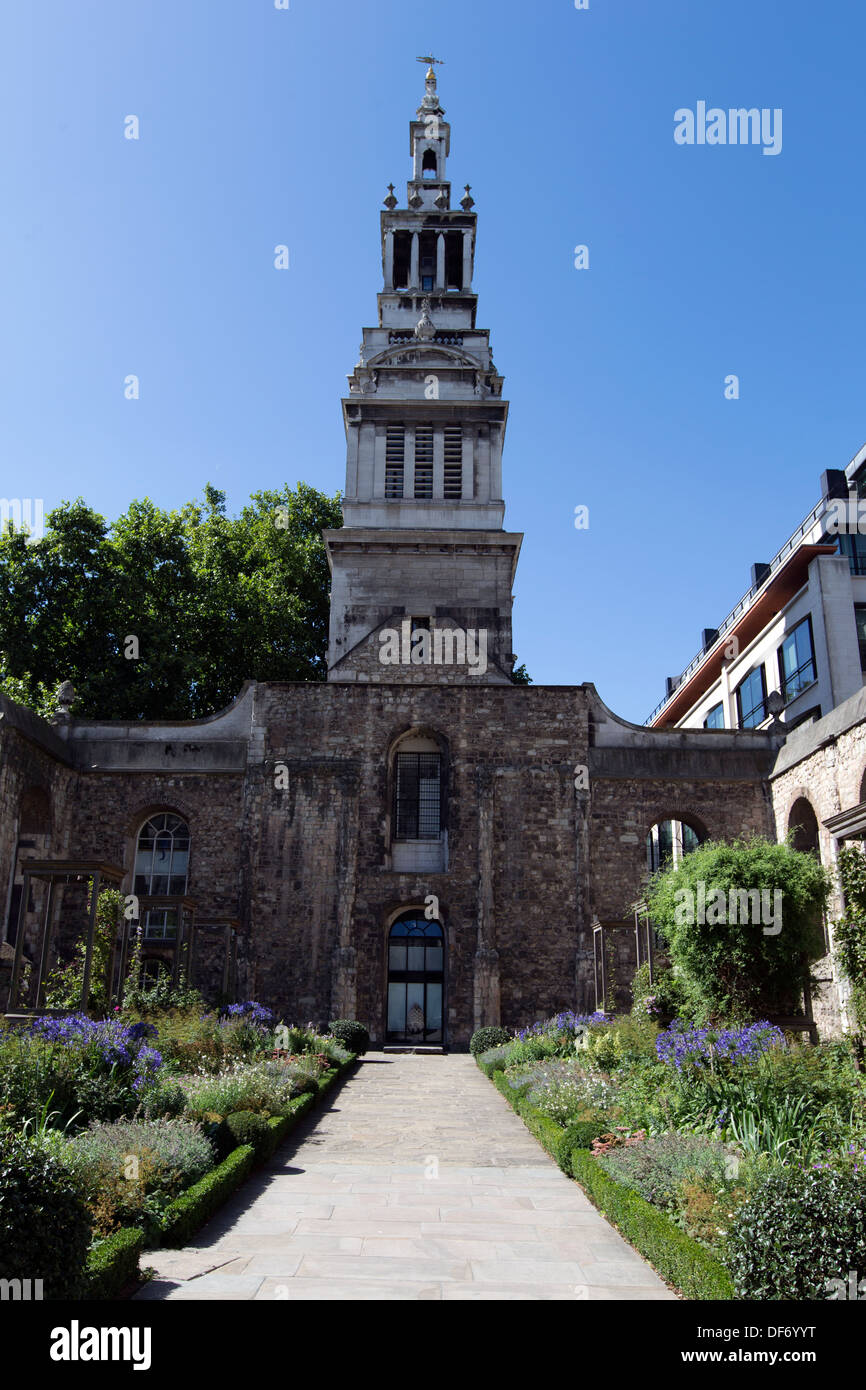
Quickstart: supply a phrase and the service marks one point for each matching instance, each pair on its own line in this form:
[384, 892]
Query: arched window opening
[162, 871]
[429, 168]
[418, 790]
[669, 841]
[418, 833]
[803, 827]
[416, 980]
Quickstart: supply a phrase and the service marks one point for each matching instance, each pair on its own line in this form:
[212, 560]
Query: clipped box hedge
[682, 1261]
[679, 1259]
[113, 1264]
[192, 1208]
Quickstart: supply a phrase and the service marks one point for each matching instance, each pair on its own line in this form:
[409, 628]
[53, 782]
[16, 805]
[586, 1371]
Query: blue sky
[261, 126]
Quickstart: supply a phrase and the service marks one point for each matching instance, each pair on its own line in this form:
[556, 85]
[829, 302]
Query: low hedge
[192, 1208]
[279, 1126]
[113, 1264]
[195, 1206]
[678, 1258]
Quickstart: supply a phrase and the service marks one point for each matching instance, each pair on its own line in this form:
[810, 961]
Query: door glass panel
[416, 949]
[434, 1007]
[396, 1008]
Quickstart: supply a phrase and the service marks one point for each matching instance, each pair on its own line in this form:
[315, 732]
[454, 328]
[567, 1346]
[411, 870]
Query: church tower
[422, 569]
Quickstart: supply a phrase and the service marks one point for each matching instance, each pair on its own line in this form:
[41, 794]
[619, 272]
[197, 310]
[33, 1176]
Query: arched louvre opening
[416, 981]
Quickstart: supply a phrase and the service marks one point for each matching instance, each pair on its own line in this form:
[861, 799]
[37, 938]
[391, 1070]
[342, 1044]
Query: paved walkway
[414, 1180]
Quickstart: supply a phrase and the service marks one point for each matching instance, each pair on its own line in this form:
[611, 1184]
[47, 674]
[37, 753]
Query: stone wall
[289, 801]
[824, 763]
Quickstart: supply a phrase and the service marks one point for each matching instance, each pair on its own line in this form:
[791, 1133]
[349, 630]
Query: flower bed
[141, 1127]
[733, 1153]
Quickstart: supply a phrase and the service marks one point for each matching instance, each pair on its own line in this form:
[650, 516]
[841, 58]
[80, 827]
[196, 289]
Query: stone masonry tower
[422, 546]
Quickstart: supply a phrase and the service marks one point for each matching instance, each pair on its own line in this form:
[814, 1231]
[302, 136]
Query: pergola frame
[54, 871]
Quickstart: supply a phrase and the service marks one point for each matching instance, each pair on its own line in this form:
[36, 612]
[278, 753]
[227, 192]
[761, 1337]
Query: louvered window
[453, 461]
[423, 461]
[394, 458]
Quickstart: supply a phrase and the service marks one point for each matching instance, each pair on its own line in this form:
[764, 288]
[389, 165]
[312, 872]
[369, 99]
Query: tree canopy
[731, 963]
[210, 600]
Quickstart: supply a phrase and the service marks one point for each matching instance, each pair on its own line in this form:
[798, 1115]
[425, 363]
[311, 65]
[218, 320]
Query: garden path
[413, 1180]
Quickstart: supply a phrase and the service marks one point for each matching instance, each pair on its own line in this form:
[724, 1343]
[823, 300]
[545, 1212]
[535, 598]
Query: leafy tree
[164, 614]
[733, 970]
[520, 675]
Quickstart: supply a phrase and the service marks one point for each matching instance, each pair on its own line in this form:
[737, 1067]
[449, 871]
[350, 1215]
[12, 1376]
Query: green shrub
[740, 971]
[265, 1086]
[849, 933]
[195, 1206]
[249, 1127]
[485, 1038]
[113, 1264]
[579, 1134]
[495, 1058]
[798, 1230]
[130, 1170]
[163, 1100]
[351, 1034]
[663, 998]
[44, 1224]
[561, 1090]
[658, 1167]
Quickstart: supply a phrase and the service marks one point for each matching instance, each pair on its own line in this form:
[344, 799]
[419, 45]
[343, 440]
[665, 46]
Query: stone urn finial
[65, 699]
[425, 328]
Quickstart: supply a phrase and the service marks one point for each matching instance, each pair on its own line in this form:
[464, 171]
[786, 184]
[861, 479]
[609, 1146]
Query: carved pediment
[432, 354]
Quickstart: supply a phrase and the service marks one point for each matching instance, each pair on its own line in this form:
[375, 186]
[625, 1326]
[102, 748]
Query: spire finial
[431, 98]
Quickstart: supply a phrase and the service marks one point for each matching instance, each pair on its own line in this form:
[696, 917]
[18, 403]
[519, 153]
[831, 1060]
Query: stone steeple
[422, 537]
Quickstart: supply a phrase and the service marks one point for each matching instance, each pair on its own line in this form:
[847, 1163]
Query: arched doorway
[416, 980]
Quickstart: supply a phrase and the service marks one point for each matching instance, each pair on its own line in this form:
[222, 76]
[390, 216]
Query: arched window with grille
[162, 870]
[418, 810]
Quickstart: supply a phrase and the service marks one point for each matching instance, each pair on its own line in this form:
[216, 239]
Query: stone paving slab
[416, 1181]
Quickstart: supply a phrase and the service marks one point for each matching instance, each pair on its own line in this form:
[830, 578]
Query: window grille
[418, 788]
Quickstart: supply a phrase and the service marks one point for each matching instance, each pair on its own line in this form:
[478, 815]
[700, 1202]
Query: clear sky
[261, 126]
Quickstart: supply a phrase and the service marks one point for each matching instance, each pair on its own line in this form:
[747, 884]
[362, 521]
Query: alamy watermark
[736, 126]
[24, 512]
[846, 1290]
[738, 907]
[439, 646]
